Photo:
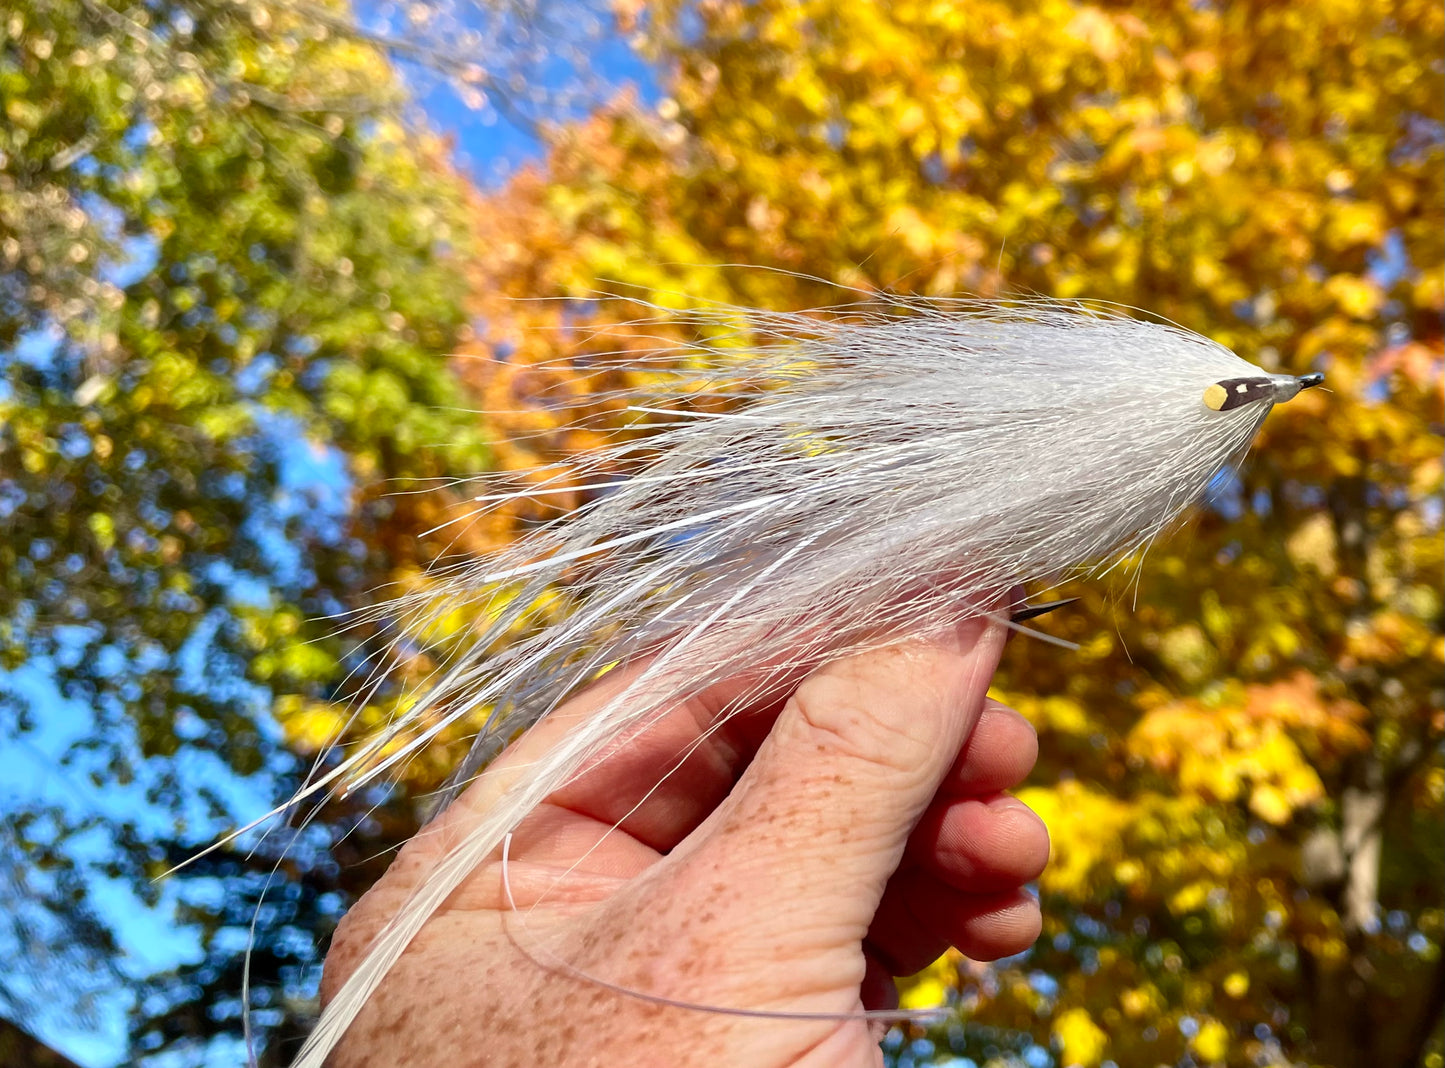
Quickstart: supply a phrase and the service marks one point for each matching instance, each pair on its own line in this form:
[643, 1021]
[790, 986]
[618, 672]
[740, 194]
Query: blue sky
[48, 768]
[37, 768]
[489, 149]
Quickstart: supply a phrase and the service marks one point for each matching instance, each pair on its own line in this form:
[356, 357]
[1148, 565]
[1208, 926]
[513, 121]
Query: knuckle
[854, 718]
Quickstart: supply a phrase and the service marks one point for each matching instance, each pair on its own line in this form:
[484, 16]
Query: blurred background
[258, 270]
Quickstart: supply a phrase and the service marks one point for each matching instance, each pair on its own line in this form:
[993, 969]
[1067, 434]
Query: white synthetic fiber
[881, 472]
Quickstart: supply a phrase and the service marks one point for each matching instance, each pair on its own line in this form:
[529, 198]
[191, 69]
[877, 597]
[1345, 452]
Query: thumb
[816, 826]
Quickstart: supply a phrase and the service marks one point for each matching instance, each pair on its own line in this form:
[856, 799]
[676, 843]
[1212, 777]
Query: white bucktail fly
[876, 469]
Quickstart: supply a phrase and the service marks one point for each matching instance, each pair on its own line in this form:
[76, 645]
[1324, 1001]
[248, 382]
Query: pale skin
[799, 857]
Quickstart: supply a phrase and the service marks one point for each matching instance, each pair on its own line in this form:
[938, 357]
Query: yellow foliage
[1054, 713]
[1261, 172]
[311, 726]
[1211, 1043]
[1082, 1043]
[1084, 826]
[1312, 543]
[926, 993]
[1141, 1002]
[929, 989]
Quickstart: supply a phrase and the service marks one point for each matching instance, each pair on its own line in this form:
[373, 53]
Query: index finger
[658, 781]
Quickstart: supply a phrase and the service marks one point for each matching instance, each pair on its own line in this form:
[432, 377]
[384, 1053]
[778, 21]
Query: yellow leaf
[1082, 1043]
[1211, 1043]
[929, 993]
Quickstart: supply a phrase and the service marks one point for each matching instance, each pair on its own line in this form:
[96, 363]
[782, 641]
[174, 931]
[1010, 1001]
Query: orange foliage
[1270, 174]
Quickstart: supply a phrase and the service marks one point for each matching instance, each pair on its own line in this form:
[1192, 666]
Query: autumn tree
[1242, 763]
[227, 290]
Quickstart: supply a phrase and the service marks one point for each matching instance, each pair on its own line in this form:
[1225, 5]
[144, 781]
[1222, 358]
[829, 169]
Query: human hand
[799, 855]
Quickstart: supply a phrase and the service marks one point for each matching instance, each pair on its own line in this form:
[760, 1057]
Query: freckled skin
[849, 830]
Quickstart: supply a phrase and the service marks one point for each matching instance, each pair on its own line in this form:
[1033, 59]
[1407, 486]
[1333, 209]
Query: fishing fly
[876, 472]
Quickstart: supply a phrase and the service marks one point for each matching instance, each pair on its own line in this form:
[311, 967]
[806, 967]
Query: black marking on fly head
[1235, 392]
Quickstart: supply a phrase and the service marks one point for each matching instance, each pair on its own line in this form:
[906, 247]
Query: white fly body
[880, 476]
